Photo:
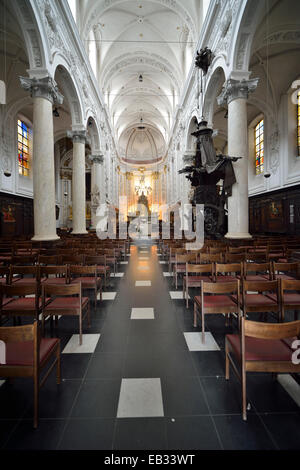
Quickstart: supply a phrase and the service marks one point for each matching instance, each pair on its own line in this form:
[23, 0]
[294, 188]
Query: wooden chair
[62, 302]
[172, 256]
[26, 354]
[228, 272]
[211, 258]
[224, 298]
[260, 347]
[24, 259]
[180, 264]
[199, 273]
[287, 271]
[4, 274]
[261, 296]
[54, 275]
[256, 257]
[100, 262]
[49, 260]
[17, 273]
[88, 277]
[257, 272]
[20, 300]
[72, 259]
[234, 257]
[289, 296]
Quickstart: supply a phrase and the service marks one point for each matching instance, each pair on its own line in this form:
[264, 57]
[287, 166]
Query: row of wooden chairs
[243, 298]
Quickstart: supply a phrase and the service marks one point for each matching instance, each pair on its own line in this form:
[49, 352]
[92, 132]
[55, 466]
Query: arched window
[298, 123]
[24, 147]
[259, 147]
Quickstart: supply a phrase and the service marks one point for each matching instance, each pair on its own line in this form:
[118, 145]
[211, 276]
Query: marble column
[45, 93]
[78, 182]
[96, 161]
[235, 94]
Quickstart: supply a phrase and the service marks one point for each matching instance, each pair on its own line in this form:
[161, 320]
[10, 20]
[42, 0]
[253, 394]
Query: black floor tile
[285, 429]
[145, 364]
[192, 433]
[74, 366]
[45, 437]
[88, 434]
[268, 395]
[177, 363]
[105, 366]
[224, 396]
[237, 434]
[15, 398]
[6, 428]
[140, 434]
[183, 397]
[97, 399]
[209, 363]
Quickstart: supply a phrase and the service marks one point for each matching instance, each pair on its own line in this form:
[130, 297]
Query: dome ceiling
[144, 50]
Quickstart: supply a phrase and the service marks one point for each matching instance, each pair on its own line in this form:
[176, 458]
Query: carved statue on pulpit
[143, 201]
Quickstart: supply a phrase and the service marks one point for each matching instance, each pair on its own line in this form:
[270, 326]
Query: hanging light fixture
[141, 78]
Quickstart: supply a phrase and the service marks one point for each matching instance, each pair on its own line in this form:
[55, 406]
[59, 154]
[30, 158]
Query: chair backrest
[235, 257]
[49, 259]
[185, 258]
[232, 287]
[78, 270]
[23, 259]
[285, 268]
[228, 268]
[199, 268]
[20, 334]
[261, 286]
[270, 330]
[257, 257]
[75, 259]
[61, 290]
[33, 270]
[97, 259]
[257, 268]
[290, 285]
[211, 258]
[48, 270]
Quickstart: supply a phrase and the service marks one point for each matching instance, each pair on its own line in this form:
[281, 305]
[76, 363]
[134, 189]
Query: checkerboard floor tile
[107, 296]
[176, 295]
[194, 342]
[89, 343]
[142, 283]
[140, 398]
[142, 313]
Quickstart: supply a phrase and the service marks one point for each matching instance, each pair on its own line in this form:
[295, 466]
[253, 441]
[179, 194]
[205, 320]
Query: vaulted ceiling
[144, 50]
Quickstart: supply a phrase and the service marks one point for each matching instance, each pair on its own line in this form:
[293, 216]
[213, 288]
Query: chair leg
[80, 330]
[227, 363]
[203, 327]
[195, 315]
[244, 395]
[58, 367]
[36, 400]
[176, 280]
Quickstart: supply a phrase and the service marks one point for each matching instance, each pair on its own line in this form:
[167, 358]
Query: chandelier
[142, 187]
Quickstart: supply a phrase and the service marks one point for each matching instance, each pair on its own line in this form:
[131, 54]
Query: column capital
[77, 136]
[97, 159]
[42, 88]
[235, 89]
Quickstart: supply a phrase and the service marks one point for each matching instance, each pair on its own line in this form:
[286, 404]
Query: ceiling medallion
[140, 19]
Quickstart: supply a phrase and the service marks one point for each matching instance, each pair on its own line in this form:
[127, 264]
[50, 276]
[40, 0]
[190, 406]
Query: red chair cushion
[260, 300]
[257, 277]
[261, 349]
[217, 301]
[22, 303]
[53, 280]
[291, 299]
[66, 304]
[223, 278]
[21, 354]
[196, 280]
[285, 277]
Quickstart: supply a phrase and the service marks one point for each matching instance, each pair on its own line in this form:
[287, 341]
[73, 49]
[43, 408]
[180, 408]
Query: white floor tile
[177, 295]
[159, 254]
[142, 283]
[144, 252]
[140, 398]
[144, 257]
[107, 295]
[117, 275]
[2, 382]
[143, 268]
[89, 343]
[167, 274]
[124, 262]
[162, 262]
[291, 386]
[142, 313]
[194, 342]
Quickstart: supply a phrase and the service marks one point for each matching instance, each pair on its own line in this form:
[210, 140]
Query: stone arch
[94, 133]
[190, 141]
[69, 89]
[216, 79]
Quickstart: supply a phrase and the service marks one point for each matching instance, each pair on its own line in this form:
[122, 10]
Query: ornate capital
[97, 159]
[77, 136]
[235, 89]
[42, 88]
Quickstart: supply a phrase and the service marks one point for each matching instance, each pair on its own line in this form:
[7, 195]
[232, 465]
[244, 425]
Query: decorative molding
[236, 89]
[96, 159]
[77, 136]
[42, 88]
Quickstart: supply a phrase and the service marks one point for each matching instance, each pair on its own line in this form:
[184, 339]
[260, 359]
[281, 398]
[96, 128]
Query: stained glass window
[259, 147]
[298, 123]
[24, 139]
